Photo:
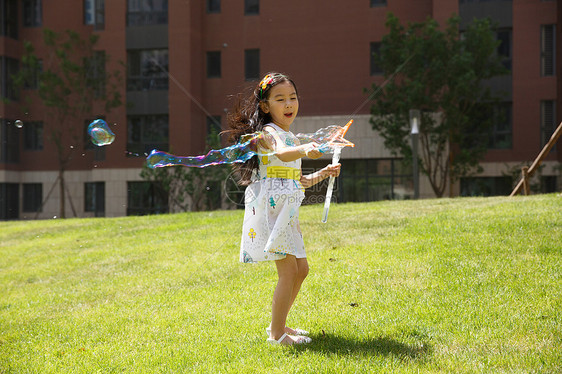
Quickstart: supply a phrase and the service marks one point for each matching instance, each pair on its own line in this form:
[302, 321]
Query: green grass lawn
[450, 285]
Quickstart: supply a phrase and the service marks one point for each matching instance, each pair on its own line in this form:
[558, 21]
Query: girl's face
[282, 104]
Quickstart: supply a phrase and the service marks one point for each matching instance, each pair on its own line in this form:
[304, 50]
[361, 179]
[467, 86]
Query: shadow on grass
[385, 346]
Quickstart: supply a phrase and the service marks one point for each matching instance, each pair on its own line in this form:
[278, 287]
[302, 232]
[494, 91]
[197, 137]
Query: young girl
[271, 230]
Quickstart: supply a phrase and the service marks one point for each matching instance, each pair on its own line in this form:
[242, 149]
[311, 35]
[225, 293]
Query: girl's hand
[311, 150]
[331, 170]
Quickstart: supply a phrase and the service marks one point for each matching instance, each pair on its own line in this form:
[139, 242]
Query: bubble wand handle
[335, 160]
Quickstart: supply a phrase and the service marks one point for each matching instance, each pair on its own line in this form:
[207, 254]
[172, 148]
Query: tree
[192, 189]
[443, 74]
[72, 84]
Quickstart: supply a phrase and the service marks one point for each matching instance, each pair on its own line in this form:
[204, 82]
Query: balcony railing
[147, 83]
[143, 18]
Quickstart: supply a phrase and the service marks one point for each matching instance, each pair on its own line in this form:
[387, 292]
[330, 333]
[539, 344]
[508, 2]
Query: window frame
[138, 127]
[8, 68]
[9, 201]
[9, 19]
[33, 135]
[506, 59]
[252, 68]
[94, 198]
[366, 176]
[374, 69]
[145, 198]
[251, 7]
[9, 142]
[32, 194]
[137, 79]
[214, 64]
[96, 8]
[378, 3]
[495, 132]
[210, 9]
[35, 8]
[147, 17]
[548, 52]
[547, 129]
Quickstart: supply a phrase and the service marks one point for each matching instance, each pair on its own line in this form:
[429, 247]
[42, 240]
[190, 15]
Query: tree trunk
[451, 159]
[62, 194]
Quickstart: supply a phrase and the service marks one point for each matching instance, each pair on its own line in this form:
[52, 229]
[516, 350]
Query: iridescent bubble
[327, 139]
[100, 133]
[240, 152]
[18, 123]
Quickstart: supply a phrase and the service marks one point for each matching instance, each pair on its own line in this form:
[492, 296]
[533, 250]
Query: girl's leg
[302, 272]
[287, 271]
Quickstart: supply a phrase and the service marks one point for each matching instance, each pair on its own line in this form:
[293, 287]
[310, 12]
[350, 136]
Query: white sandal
[298, 332]
[299, 340]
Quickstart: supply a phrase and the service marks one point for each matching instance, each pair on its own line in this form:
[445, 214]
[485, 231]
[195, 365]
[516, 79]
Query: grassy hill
[449, 285]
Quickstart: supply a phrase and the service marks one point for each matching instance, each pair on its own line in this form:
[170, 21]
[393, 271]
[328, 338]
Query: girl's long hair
[247, 117]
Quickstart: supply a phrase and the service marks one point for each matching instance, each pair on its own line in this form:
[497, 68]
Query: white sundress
[271, 219]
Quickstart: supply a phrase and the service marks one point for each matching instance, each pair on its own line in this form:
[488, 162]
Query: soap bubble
[240, 152]
[327, 139]
[100, 133]
[18, 123]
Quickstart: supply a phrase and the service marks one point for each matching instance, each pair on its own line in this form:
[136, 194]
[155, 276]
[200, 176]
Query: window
[213, 6]
[486, 186]
[95, 73]
[214, 126]
[375, 49]
[32, 74]
[213, 64]
[32, 197]
[145, 133]
[485, 1]
[9, 141]
[147, 12]
[548, 51]
[33, 136]
[251, 7]
[505, 48]
[548, 184]
[9, 18]
[32, 13]
[8, 68]
[377, 3]
[375, 179]
[146, 198]
[501, 131]
[252, 64]
[94, 13]
[9, 201]
[94, 198]
[148, 69]
[548, 121]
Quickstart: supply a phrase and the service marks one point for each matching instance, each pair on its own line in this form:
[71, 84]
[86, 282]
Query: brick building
[186, 59]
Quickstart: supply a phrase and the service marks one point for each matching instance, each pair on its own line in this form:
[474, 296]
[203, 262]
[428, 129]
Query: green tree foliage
[73, 86]
[444, 77]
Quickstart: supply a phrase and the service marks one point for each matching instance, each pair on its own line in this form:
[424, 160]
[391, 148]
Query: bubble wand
[338, 142]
